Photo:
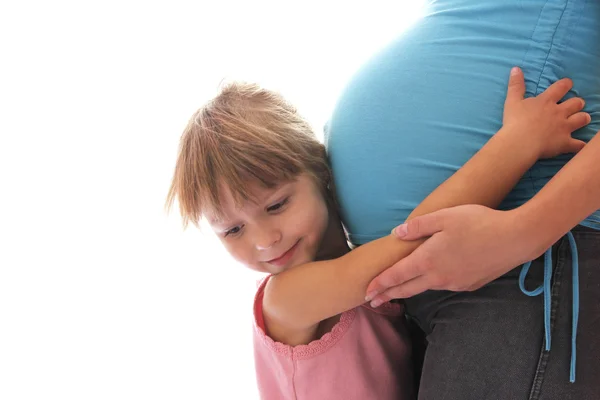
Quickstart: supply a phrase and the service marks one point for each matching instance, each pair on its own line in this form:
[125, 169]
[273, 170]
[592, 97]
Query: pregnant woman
[408, 120]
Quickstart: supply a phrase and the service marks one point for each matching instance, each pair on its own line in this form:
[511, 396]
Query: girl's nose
[267, 239]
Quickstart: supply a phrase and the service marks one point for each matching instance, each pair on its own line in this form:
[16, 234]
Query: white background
[102, 295]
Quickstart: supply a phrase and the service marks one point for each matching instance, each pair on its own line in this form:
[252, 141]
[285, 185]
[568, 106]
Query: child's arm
[295, 301]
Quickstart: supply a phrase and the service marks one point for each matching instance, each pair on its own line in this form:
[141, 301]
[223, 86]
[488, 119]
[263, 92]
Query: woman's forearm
[303, 296]
[566, 200]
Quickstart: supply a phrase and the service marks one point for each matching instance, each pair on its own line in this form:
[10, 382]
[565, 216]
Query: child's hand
[542, 121]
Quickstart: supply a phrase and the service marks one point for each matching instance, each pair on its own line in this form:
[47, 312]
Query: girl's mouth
[283, 259]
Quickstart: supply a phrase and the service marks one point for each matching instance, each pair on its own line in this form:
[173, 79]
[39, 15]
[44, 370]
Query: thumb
[419, 227]
[516, 86]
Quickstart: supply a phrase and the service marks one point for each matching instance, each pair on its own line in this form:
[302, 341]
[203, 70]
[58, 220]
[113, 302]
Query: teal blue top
[418, 110]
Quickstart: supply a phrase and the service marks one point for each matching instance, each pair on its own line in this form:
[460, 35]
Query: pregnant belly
[416, 112]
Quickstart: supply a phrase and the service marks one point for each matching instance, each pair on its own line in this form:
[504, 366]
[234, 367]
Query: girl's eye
[233, 231]
[278, 206]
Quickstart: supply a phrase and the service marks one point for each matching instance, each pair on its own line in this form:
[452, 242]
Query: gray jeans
[489, 344]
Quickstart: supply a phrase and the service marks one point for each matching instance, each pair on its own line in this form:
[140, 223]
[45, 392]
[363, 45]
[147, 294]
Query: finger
[404, 291]
[572, 106]
[557, 90]
[403, 271]
[422, 226]
[516, 86]
[578, 120]
[574, 146]
[380, 299]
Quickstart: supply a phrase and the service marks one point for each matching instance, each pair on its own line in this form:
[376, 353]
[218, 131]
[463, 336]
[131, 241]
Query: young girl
[252, 167]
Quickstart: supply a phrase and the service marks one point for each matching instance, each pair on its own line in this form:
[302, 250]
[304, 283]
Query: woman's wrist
[533, 230]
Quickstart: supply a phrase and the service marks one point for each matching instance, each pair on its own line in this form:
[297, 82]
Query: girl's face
[282, 229]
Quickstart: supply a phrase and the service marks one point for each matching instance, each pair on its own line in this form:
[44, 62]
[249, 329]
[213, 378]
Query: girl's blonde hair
[245, 134]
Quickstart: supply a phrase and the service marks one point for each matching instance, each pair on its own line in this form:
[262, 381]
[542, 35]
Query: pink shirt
[365, 356]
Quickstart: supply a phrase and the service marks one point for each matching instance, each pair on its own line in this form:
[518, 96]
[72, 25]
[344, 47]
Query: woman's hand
[470, 245]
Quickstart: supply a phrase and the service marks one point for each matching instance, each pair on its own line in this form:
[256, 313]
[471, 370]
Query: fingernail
[401, 230]
[514, 71]
[371, 295]
[376, 303]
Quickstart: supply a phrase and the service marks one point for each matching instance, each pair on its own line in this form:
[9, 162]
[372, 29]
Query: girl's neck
[334, 243]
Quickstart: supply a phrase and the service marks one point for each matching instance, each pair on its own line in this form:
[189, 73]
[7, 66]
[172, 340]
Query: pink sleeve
[273, 360]
[364, 356]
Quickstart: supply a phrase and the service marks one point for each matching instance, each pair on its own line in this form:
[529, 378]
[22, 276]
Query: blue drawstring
[546, 289]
